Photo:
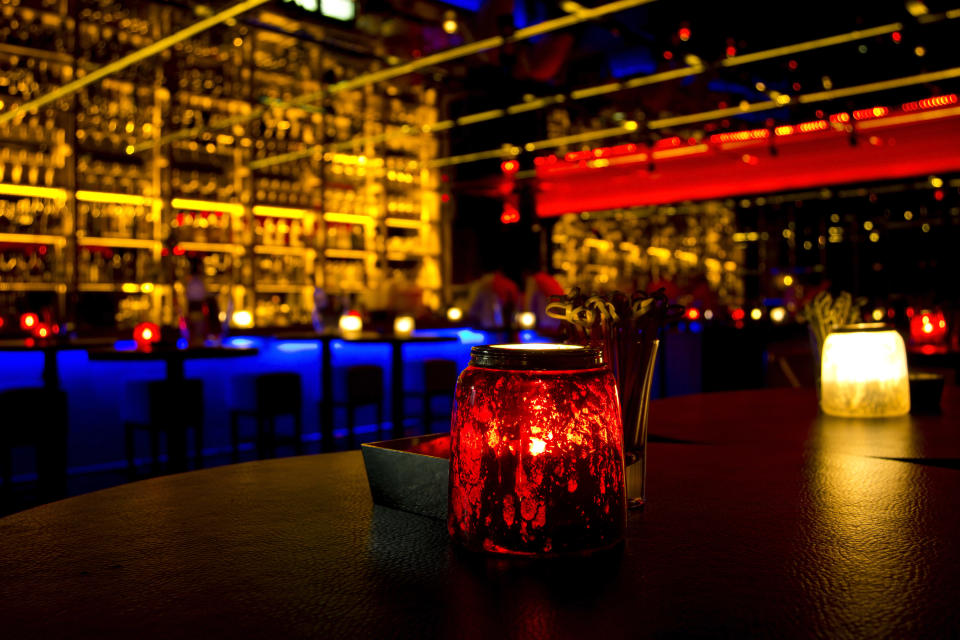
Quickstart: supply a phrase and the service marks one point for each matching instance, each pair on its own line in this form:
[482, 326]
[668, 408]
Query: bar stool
[35, 417]
[174, 406]
[364, 388]
[439, 380]
[277, 394]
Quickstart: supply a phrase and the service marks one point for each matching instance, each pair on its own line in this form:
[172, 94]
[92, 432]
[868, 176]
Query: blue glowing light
[125, 345]
[239, 343]
[468, 336]
[296, 347]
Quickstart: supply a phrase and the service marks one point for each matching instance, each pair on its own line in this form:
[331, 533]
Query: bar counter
[764, 518]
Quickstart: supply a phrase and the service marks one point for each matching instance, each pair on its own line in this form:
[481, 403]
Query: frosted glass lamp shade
[864, 373]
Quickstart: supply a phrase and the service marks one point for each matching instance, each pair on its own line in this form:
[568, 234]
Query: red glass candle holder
[536, 452]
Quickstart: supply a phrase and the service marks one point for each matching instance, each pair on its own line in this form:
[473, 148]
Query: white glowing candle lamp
[863, 373]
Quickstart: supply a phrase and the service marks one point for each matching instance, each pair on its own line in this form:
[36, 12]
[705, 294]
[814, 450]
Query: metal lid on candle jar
[536, 357]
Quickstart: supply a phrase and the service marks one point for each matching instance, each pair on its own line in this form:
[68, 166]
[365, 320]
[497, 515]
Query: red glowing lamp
[145, 335]
[509, 166]
[510, 214]
[29, 321]
[693, 313]
[42, 330]
[536, 452]
[928, 327]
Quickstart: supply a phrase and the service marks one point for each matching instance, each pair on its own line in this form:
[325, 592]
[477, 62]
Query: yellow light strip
[33, 286]
[348, 253]
[278, 212]
[714, 114]
[113, 198]
[101, 287]
[31, 52]
[665, 76]
[120, 243]
[33, 192]
[348, 218]
[405, 68]
[810, 45]
[443, 125]
[483, 116]
[33, 238]
[216, 247]
[534, 105]
[590, 92]
[883, 85]
[264, 249]
[206, 205]
[136, 56]
[403, 223]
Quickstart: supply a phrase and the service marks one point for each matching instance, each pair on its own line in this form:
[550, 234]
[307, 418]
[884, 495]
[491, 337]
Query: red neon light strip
[740, 136]
[930, 103]
[870, 114]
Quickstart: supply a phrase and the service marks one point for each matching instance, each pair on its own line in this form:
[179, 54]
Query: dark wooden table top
[764, 519]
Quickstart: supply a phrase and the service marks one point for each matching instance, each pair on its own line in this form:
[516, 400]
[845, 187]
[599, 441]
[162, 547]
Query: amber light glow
[864, 373]
[351, 324]
[242, 319]
[527, 320]
[536, 461]
[403, 326]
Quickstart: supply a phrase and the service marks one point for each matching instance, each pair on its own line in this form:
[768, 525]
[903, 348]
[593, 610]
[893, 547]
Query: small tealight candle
[864, 372]
[403, 326]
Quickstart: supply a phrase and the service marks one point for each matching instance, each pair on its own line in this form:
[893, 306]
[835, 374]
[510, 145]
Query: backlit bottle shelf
[107, 198]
